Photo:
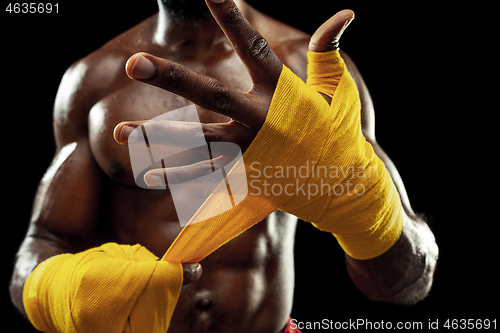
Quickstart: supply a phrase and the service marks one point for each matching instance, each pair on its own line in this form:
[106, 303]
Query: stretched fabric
[112, 288]
[309, 159]
[344, 188]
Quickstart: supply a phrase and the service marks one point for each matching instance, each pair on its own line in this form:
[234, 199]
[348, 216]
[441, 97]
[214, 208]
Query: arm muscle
[66, 206]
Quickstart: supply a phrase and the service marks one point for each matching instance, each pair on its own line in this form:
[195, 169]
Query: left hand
[248, 111]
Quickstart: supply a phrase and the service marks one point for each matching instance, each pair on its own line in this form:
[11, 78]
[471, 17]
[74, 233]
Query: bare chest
[129, 100]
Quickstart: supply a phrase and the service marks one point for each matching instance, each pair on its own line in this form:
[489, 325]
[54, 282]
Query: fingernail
[199, 271]
[140, 67]
[124, 134]
[218, 1]
[346, 24]
[153, 178]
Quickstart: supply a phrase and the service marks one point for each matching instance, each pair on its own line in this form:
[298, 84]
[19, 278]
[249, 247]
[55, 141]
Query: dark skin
[246, 285]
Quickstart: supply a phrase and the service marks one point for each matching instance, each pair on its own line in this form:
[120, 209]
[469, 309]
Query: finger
[202, 90]
[191, 272]
[327, 37]
[252, 48]
[180, 134]
[173, 133]
[178, 175]
[124, 131]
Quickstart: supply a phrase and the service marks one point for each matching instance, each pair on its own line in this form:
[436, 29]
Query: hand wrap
[305, 145]
[112, 288]
[309, 159]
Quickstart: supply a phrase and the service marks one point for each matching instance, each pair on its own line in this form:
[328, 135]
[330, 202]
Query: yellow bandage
[112, 288]
[324, 72]
[309, 159]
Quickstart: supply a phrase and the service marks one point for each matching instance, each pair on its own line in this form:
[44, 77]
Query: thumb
[192, 272]
[327, 37]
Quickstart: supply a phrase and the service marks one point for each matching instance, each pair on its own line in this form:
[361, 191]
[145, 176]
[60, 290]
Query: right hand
[191, 273]
[248, 111]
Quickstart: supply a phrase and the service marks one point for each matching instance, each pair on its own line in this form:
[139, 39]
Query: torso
[247, 285]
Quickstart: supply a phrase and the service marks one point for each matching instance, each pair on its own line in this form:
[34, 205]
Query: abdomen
[246, 286]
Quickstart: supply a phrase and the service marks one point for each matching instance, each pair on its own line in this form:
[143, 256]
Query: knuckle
[171, 78]
[258, 49]
[232, 17]
[215, 132]
[219, 96]
[209, 132]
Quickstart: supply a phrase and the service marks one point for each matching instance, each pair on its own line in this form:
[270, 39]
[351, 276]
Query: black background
[426, 80]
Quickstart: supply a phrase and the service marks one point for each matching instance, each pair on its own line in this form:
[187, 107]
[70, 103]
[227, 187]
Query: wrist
[103, 288]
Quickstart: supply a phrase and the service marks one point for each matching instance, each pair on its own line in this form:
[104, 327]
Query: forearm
[390, 256]
[404, 274]
[103, 289]
[33, 251]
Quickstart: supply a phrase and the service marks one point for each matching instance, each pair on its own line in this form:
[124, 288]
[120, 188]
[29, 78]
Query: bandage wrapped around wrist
[112, 288]
[309, 159]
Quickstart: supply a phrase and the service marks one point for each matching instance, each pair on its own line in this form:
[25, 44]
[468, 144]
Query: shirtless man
[88, 195]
